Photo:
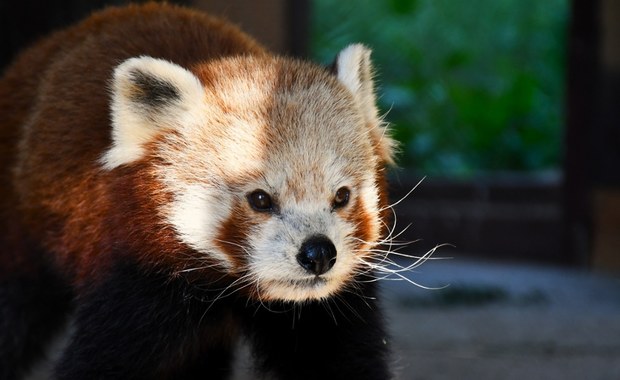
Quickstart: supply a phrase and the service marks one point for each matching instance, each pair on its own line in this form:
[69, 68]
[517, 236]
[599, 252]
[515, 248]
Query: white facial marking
[196, 213]
[349, 64]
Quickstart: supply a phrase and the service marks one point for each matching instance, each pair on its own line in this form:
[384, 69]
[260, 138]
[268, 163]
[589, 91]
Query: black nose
[317, 254]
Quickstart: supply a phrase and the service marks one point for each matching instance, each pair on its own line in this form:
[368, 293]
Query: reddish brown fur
[234, 233]
[63, 198]
[385, 215]
[362, 221]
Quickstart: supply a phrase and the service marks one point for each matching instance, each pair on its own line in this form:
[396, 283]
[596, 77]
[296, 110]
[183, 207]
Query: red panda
[174, 187]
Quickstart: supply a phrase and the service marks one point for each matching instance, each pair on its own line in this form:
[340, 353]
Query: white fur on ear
[149, 96]
[353, 69]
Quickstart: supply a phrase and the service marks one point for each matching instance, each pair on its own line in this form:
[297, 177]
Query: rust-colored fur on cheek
[385, 212]
[363, 222]
[234, 233]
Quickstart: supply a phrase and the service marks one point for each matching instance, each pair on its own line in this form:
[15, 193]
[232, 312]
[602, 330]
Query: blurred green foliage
[470, 86]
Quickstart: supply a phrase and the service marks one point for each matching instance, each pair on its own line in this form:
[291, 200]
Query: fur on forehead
[318, 140]
[312, 132]
[279, 112]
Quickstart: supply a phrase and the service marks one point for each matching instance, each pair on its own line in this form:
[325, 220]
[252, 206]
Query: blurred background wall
[508, 109]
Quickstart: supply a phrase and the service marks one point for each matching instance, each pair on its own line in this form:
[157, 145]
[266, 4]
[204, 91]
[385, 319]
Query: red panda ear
[149, 96]
[353, 69]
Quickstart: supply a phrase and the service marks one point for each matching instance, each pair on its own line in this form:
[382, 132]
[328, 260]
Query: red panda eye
[342, 197]
[260, 201]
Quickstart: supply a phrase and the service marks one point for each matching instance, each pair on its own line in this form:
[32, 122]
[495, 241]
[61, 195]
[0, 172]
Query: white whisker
[245, 250]
[404, 197]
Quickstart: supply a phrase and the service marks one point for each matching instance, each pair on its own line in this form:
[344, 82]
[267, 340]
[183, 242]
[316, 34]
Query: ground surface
[506, 322]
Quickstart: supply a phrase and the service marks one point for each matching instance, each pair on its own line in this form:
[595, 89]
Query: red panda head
[274, 167]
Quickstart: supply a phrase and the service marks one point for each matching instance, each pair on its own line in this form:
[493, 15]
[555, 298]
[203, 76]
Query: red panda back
[55, 123]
